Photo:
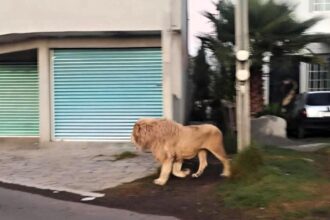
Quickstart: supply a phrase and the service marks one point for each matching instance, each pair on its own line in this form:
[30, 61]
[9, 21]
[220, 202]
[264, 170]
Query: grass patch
[322, 212]
[324, 151]
[124, 155]
[268, 175]
[295, 215]
[247, 162]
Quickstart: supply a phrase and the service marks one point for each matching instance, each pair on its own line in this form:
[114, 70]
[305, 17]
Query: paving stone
[77, 166]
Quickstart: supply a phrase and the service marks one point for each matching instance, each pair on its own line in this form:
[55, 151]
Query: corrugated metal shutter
[19, 102]
[100, 93]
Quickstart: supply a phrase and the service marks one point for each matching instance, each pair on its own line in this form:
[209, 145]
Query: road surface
[16, 205]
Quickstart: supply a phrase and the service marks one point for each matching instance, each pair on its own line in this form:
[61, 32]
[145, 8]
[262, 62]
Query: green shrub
[247, 163]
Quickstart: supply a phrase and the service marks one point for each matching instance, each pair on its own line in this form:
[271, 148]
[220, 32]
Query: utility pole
[243, 121]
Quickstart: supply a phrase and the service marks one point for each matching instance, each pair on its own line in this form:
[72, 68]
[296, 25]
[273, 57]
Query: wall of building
[175, 59]
[28, 16]
[304, 11]
[167, 17]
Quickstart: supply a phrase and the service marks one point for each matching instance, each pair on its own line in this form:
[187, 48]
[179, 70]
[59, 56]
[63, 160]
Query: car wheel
[301, 132]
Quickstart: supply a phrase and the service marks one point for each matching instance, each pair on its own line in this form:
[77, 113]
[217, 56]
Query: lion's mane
[155, 135]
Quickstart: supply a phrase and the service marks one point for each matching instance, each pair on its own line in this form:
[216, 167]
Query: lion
[171, 143]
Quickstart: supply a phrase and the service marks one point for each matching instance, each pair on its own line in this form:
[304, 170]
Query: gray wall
[168, 17]
[28, 16]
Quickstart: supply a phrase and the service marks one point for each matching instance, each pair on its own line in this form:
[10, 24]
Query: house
[304, 76]
[87, 70]
[315, 77]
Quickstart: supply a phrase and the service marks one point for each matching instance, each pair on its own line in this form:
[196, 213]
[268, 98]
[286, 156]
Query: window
[320, 5]
[318, 99]
[319, 77]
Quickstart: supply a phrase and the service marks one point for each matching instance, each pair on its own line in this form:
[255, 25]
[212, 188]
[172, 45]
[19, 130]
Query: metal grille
[19, 102]
[100, 93]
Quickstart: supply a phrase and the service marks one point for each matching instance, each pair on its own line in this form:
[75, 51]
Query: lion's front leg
[177, 170]
[165, 172]
[202, 157]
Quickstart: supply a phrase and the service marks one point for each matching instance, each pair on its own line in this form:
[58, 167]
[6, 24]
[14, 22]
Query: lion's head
[141, 134]
[150, 133]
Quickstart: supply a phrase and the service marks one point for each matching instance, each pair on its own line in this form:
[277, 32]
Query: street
[15, 205]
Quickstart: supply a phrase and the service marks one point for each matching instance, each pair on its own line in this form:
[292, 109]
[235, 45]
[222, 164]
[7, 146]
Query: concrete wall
[168, 17]
[90, 16]
[175, 57]
[44, 47]
[28, 16]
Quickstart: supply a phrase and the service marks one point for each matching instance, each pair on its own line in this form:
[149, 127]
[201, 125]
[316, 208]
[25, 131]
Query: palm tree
[273, 29]
[201, 73]
[201, 76]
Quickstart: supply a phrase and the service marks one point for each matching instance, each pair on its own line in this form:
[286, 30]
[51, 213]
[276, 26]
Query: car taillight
[303, 113]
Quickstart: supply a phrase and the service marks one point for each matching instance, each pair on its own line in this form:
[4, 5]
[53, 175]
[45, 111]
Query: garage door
[19, 105]
[100, 93]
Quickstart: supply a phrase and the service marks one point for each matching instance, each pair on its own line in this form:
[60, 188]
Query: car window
[318, 99]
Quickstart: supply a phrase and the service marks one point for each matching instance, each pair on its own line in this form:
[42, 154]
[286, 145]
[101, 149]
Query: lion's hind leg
[176, 171]
[219, 152]
[202, 157]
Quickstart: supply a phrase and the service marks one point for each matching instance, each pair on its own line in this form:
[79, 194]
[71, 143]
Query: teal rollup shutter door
[19, 100]
[100, 93]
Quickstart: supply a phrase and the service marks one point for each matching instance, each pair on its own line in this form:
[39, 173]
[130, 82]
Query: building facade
[302, 77]
[315, 77]
[87, 70]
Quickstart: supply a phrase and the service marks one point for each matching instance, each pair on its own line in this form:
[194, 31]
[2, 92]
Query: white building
[87, 70]
[308, 77]
[315, 77]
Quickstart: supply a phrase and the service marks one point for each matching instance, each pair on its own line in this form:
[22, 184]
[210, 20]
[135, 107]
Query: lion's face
[141, 134]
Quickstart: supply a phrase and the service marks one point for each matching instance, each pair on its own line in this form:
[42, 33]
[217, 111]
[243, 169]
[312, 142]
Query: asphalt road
[16, 205]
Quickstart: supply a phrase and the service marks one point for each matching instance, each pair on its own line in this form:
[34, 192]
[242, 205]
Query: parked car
[309, 112]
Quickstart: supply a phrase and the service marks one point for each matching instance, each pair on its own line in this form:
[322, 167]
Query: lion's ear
[140, 133]
[144, 129]
[135, 131]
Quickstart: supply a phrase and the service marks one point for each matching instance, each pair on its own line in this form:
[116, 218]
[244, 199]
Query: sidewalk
[77, 167]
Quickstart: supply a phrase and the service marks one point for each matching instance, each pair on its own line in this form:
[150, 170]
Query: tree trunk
[256, 92]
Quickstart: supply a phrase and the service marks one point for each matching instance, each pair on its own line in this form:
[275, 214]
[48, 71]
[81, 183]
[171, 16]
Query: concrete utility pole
[242, 75]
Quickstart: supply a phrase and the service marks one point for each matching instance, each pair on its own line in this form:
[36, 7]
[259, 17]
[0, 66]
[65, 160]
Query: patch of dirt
[187, 198]
[314, 209]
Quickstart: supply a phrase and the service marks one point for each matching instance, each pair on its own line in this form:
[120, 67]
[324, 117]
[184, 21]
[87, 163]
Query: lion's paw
[159, 182]
[195, 175]
[225, 174]
[186, 171]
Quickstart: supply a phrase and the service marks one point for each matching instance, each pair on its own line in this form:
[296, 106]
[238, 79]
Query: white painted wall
[167, 16]
[303, 12]
[28, 16]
